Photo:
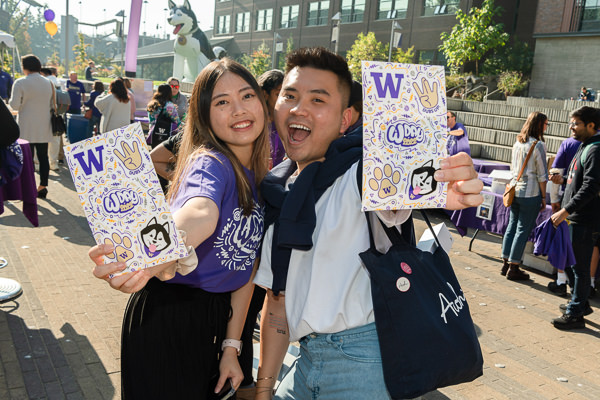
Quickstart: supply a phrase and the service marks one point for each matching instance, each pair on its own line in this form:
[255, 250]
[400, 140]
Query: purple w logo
[382, 91]
[92, 160]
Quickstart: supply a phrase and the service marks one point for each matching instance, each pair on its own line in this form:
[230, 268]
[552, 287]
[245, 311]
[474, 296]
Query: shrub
[512, 82]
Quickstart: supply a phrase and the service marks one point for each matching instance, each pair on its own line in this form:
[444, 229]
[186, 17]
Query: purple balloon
[49, 15]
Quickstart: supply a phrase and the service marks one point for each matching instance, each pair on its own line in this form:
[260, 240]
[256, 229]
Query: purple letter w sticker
[389, 84]
[92, 160]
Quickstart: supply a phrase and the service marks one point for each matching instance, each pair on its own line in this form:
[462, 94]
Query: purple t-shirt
[277, 150]
[565, 154]
[456, 144]
[226, 258]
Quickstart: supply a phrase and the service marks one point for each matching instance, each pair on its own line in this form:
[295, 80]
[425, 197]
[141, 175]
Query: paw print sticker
[122, 247]
[385, 182]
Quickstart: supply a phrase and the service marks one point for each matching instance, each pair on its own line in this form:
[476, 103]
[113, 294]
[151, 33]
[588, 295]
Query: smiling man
[318, 292]
[580, 206]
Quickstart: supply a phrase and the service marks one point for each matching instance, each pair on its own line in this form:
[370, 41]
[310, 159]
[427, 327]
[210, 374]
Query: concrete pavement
[60, 339]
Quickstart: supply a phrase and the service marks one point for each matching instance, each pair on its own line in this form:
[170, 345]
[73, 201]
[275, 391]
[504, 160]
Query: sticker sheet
[404, 135]
[122, 198]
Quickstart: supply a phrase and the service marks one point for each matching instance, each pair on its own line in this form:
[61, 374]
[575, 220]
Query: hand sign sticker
[429, 95]
[131, 158]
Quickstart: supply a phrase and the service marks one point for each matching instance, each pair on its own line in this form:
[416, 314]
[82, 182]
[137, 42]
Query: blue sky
[153, 12]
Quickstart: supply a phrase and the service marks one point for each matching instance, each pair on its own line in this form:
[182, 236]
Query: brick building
[567, 48]
[252, 22]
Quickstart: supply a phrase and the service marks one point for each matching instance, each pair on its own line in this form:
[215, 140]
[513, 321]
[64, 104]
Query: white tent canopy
[7, 40]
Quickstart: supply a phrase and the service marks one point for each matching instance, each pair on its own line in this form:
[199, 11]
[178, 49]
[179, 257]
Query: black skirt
[171, 339]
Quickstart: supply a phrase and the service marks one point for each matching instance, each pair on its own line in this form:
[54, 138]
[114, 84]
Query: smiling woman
[182, 325]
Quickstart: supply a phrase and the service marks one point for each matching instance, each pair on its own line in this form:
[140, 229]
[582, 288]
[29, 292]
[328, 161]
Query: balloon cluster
[51, 27]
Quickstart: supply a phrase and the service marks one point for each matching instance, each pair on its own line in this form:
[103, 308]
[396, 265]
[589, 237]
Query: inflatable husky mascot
[192, 48]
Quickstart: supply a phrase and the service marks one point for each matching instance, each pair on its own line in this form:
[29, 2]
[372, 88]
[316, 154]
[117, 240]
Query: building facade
[567, 51]
[309, 23]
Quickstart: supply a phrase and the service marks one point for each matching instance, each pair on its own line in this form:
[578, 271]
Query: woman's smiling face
[236, 112]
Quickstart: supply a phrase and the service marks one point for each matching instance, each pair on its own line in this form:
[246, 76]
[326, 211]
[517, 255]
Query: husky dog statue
[192, 48]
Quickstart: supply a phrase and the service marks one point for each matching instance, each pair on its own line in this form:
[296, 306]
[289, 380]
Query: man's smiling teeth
[297, 126]
[241, 125]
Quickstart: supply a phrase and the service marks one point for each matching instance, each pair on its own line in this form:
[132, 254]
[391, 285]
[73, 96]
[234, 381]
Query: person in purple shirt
[6, 83]
[94, 121]
[183, 322]
[458, 140]
[270, 82]
[76, 93]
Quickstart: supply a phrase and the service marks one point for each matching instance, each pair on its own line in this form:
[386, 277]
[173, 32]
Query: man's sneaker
[567, 321]
[560, 290]
[588, 309]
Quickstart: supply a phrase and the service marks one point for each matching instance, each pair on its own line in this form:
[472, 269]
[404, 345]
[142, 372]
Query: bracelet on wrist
[236, 344]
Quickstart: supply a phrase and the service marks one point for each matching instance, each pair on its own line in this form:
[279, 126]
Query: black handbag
[161, 130]
[426, 335]
[57, 121]
[58, 124]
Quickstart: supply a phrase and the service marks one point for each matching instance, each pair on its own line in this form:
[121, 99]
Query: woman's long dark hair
[161, 96]
[117, 88]
[98, 86]
[533, 127]
[199, 138]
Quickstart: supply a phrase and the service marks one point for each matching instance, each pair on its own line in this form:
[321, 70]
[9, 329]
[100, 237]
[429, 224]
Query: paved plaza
[60, 339]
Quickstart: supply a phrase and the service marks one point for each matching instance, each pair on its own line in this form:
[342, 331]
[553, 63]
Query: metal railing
[476, 89]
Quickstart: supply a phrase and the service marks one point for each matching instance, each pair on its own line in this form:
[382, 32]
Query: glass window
[353, 10]
[386, 8]
[431, 57]
[318, 13]
[440, 7]
[264, 20]
[242, 23]
[223, 24]
[590, 20]
[289, 16]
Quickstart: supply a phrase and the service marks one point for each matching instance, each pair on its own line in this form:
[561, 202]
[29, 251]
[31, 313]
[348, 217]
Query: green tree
[517, 57]
[289, 47]
[18, 25]
[473, 36]
[81, 56]
[365, 48]
[259, 61]
[403, 56]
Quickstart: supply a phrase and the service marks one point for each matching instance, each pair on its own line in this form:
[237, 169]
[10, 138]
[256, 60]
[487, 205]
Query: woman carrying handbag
[529, 159]
[162, 115]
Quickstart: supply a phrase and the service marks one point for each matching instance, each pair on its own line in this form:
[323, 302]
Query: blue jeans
[523, 213]
[91, 122]
[583, 238]
[344, 365]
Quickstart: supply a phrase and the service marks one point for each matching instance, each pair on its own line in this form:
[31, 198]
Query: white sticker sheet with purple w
[404, 135]
[122, 198]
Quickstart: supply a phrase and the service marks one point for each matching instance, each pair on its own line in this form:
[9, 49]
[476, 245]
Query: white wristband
[236, 344]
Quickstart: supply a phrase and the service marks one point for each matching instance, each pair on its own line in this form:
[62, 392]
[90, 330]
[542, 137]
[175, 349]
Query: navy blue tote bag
[426, 335]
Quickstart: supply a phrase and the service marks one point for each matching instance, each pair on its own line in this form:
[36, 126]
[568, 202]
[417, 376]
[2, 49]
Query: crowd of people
[234, 163]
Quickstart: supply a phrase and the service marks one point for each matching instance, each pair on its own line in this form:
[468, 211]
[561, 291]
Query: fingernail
[109, 247]
[438, 175]
[444, 164]
[121, 265]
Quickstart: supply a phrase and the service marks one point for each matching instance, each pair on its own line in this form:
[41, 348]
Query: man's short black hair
[31, 63]
[588, 114]
[323, 59]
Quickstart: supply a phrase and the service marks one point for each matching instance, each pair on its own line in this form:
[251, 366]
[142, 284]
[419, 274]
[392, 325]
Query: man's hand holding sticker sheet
[405, 161]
